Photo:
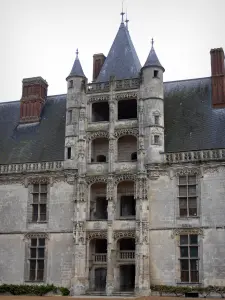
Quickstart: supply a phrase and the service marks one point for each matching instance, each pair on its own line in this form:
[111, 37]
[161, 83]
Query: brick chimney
[218, 77]
[98, 61]
[34, 95]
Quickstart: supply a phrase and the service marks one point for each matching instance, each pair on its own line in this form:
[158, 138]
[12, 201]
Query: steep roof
[122, 60]
[190, 124]
[77, 70]
[152, 60]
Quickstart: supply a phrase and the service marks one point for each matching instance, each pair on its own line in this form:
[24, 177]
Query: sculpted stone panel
[96, 235]
[128, 95]
[99, 98]
[123, 234]
[124, 177]
[187, 171]
[31, 235]
[126, 131]
[99, 134]
[128, 167]
[93, 179]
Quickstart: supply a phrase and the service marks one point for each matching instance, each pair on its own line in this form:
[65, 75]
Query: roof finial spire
[122, 13]
[77, 52]
[126, 21]
[152, 42]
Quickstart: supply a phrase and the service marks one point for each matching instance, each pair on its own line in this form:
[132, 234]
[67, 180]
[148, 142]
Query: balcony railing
[126, 255]
[100, 257]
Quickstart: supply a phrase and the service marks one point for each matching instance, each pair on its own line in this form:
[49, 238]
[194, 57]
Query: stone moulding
[31, 167]
[98, 134]
[194, 156]
[99, 98]
[96, 235]
[126, 131]
[181, 231]
[128, 95]
[120, 234]
[31, 235]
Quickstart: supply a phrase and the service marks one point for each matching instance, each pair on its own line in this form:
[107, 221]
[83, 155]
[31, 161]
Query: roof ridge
[14, 101]
[189, 79]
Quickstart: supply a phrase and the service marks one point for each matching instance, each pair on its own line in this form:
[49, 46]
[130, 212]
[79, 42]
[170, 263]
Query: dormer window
[156, 72]
[71, 84]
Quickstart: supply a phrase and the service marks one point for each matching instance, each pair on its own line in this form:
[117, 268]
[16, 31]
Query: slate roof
[122, 60]
[152, 60]
[38, 142]
[77, 70]
[190, 124]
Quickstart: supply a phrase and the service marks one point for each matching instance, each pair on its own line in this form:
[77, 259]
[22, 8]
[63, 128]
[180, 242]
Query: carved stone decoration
[187, 171]
[33, 235]
[112, 145]
[96, 235]
[126, 131]
[125, 177]
[110, 188]
[123, 234]
[94, 179]
[98, 98]
[37, 180]
[213, 169]
[128, 95]
[79, 232]
[6, 179]
[141, 188]
[70, 177]
[81, 194]
[154, 172]
[97, 134]
[181, 231]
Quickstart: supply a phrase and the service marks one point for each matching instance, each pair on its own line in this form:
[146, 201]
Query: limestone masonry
[119, 184]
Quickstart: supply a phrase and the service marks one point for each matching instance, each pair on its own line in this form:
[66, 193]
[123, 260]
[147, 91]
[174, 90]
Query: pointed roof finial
[126, 21]
[77, 52]
[152, 42]
[122, 13]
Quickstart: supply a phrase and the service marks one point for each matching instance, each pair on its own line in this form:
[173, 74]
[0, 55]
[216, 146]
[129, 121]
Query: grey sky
[39, 38]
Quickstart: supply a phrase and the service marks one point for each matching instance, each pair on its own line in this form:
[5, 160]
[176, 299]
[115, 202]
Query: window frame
[39, 202]
[187, 197]
[189, 258]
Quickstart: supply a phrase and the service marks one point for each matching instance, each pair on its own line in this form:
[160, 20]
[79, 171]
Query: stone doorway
[127, 278]
[100, 279]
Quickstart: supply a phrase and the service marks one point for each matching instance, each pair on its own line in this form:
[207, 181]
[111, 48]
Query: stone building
[120, 183]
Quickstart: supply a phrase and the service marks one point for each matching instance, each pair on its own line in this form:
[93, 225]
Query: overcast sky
[39, 38]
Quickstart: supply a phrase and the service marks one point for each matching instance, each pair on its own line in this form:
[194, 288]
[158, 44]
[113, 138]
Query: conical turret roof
[152, 60]
[77, 70]
[122, 60]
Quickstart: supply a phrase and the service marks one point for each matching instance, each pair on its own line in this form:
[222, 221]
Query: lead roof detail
[122, 60]
[77, 70]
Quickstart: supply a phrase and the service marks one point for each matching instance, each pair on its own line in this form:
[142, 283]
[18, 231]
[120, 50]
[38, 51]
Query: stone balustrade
[126, 255]
[193, 156]
[100, 257]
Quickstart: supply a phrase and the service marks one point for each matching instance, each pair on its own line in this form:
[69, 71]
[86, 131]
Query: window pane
[194, 264]
[43, 197]
[41, 242]
[194, 276]
[33, 252]
[35, 212]
[183, 212]
[192, 202]
[193, 239]
[182, 180]
[41, 252]
[40, 275]
[184, 251]
[183, 239]
[191, 179]
[183, 202]
[35, 198]
[182, 191]
[32, 275]
[33, 242]
[184, 276]
[42, 212]
[40, 265]
[36, 188]
[192, 190]
[193, 212]
[193, 251]
[43, 188]
[184, 265]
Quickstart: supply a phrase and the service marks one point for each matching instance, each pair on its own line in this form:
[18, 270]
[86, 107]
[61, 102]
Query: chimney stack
[34, 95]
[98, 61]
[218, 77]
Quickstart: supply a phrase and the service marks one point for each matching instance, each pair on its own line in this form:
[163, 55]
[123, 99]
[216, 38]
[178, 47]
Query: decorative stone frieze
[31, 235]
[96, 235]
[154, 172]
[124, 177]
[94, 179]
[6, 179]
[182, 231]
[141, 188]
[123, 234]
[126, 131]
[187, 171]
[128, 95]
[79, 232]
[97, 134]
[99, 98]
[110, 187]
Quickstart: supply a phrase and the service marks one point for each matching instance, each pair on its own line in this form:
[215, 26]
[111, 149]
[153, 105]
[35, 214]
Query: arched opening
[127, 109]
[126, 146]
[126, 259]
[126, 203]
[98, 202]
[100, 111]
[98, 264]
[134, 156]
[99, 150]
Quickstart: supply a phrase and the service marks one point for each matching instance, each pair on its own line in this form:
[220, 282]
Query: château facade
[119, 184]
